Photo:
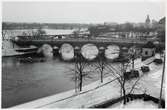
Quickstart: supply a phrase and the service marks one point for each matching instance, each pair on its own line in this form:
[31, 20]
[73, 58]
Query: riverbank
[98, 92]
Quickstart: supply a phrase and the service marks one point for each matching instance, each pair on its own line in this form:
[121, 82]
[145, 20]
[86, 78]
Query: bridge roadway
[121, 42]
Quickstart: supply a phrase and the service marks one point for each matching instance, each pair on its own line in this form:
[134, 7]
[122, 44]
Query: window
[146, 52]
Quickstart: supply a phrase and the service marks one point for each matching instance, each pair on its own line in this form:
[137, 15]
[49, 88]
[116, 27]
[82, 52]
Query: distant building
[148, 22]
[148, 50]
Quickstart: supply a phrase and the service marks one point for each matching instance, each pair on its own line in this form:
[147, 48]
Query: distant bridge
[78, 43]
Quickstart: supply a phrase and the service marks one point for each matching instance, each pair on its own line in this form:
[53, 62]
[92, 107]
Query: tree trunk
[80, 85]
[76, 85]
[123, 85]
[124, 96]
[101, 77]
[133, 62]
[102, 73]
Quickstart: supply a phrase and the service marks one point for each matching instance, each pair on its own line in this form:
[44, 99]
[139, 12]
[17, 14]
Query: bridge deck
[82, 41]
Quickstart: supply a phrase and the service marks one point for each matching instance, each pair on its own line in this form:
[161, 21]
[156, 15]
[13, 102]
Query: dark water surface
[23, 82]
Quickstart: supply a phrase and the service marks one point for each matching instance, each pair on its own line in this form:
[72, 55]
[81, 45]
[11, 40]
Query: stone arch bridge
[78, 43]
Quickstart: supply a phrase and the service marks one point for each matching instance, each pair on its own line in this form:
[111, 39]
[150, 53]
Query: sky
[81, 12]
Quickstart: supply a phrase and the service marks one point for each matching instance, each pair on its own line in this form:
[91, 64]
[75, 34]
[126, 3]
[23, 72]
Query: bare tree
[100, 65]
[118, 72]
[40, 32]
[132, 55]
[34, 34]
[4, 33]
[76, 33]
[80, 72]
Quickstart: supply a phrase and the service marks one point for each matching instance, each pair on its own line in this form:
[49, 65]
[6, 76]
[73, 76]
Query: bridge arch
[112, 51]
[46, 50]
[67, 51]
[89, 51]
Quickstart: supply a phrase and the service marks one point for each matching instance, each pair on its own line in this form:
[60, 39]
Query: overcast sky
[81, 12]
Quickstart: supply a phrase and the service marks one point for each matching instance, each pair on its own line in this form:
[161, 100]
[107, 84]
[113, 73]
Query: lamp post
[159, 105]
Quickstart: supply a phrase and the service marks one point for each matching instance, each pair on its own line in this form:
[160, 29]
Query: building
[148, 22]
[148, 50]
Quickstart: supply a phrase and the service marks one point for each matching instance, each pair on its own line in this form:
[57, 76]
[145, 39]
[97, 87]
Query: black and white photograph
[83, 54]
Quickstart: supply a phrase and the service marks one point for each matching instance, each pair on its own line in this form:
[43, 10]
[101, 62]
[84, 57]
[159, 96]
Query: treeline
[13, 25]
